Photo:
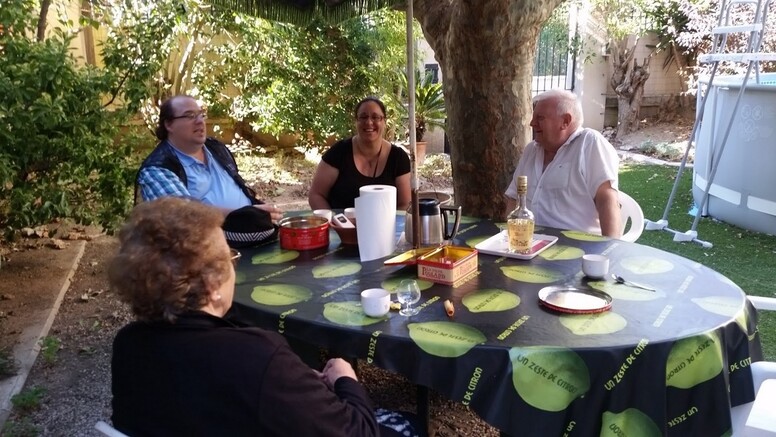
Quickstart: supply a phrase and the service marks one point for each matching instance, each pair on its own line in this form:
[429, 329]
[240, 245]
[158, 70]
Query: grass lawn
[747, 258]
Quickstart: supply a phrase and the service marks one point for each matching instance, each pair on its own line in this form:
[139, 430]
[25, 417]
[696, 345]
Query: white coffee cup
[376, 301]
[350, 213]
[595, 266]
[325, 213]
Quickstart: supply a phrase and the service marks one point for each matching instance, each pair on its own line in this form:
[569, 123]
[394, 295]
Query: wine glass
[408, 292]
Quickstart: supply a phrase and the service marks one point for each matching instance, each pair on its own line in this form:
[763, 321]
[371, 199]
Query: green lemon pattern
[490, 300]
[560, 252]
[626, 292]
[280, 294]
[466, 220]
[349, 314]
[631, 423]
[391, 283]
[336, 269]
[594, 324]
[239, 277]
[643, 265]
[583, 236]
[724, 306]
[277, 256]
[532, 274]
[548, 378]
[694, 360]
[445, 339]
[475, 241]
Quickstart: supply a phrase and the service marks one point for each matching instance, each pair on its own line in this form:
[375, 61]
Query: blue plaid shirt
[207, 182]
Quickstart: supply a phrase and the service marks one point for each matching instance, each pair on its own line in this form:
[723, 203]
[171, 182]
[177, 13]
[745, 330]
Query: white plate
[499, 246]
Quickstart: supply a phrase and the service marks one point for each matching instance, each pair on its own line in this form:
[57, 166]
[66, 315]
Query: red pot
[304, 233]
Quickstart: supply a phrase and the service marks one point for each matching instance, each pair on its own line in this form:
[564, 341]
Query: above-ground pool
[743, 191]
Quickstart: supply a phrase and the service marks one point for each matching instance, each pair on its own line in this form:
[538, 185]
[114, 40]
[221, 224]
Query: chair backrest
[630, 209]
[108, 430]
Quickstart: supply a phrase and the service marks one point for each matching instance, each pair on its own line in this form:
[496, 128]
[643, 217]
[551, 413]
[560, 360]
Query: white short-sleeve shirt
[562, 195]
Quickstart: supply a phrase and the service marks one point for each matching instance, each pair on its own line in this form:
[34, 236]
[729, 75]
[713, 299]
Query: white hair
[567, 104]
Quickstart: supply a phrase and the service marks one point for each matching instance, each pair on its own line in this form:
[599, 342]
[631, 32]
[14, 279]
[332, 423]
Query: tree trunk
[628, 81]
[685, 72]
[44, 7]
[486, 51]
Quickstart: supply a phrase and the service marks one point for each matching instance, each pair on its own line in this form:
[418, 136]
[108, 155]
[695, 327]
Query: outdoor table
[664, 362]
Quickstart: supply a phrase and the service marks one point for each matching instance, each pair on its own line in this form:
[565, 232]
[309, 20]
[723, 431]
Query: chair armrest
[763, 303]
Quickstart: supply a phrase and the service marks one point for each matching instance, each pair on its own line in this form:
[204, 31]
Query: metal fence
[555, 54]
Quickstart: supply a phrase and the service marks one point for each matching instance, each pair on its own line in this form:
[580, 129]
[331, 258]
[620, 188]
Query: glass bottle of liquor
[520, 222]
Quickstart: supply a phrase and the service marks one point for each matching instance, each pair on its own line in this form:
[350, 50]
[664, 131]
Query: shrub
[57, 159]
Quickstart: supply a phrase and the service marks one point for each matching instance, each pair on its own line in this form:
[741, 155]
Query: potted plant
[429, 108]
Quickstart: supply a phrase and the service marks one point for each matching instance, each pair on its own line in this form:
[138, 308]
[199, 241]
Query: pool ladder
[752, 57]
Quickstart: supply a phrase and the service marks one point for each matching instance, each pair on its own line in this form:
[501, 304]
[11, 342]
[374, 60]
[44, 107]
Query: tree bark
[486, 52]
[628, 81]
[44, 8]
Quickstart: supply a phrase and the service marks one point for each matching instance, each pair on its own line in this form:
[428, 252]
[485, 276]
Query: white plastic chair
[108, 430]
[761, 371]
[630, 209]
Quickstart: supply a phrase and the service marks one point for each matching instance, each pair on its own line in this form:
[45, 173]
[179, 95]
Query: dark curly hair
[169, 259]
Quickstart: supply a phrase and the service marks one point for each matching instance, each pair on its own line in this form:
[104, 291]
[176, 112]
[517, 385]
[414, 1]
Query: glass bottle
[520, 222]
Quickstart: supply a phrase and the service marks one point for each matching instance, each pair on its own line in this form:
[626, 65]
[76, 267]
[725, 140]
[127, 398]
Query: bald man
[572, 171]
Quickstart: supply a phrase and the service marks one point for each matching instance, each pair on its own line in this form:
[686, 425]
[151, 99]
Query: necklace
[377, 161]
[369, 161]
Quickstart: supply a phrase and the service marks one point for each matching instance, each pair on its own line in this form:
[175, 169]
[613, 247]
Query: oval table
[664, 362]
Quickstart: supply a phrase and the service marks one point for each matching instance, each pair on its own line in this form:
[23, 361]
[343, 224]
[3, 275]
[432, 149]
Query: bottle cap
[522, 183]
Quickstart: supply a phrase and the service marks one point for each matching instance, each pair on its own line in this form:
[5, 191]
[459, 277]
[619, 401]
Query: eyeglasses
[234, 256]
[374, 118]
[191, 115]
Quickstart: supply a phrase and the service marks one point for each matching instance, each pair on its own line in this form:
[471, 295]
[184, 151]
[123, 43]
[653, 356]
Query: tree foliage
[694, 34]
[307, 80]
[57, 158]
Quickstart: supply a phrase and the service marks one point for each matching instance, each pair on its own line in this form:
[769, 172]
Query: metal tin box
[447, 264]
[304, 233]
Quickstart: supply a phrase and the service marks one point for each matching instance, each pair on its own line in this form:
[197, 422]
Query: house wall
[434, 138]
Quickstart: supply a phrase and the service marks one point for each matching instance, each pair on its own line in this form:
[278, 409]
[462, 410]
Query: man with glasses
[186, 163]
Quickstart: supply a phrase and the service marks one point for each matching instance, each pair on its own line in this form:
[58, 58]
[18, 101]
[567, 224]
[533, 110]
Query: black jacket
[202, 376]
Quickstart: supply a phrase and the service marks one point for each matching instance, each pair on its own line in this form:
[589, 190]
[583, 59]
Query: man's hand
[273, 211]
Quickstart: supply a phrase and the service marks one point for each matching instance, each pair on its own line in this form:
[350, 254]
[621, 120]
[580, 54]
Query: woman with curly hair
[182, 369]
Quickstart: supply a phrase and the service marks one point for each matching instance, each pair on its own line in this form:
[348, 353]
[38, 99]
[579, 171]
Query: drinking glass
[408, 292]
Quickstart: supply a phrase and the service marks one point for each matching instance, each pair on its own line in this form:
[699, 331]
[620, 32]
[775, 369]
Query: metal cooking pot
[434, 222]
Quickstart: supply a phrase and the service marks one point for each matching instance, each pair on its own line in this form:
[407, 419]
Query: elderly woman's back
[181, 369]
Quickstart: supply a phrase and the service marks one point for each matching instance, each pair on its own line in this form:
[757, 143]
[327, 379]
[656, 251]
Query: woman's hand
[335, 369]
[273, 211]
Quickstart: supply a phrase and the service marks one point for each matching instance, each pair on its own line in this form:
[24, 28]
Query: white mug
[350, 213]
[595, 266]
[325, 213]
[376, 301]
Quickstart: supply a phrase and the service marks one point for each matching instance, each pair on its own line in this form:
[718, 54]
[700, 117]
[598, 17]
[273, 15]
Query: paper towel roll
[376, 221]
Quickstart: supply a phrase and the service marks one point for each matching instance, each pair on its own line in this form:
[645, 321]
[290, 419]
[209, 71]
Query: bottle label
[520, 235]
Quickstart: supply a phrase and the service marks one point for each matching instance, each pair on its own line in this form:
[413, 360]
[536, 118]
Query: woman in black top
[364, 159]
[183, 370]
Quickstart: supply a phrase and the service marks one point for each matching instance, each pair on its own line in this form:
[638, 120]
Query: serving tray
[574, 300]
[499, 246]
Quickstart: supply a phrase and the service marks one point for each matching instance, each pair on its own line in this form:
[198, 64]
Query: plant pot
[420, 152]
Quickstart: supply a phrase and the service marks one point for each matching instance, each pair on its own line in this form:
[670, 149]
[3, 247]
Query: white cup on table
[595, 266]
[350, 213]
[324, 213]
[376, 302]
